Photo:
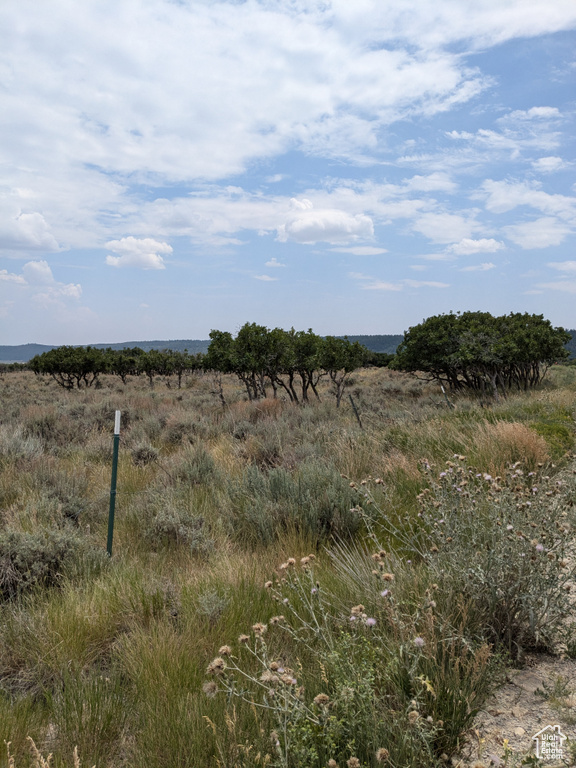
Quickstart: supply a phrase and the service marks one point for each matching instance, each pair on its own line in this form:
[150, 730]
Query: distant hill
[386, 344]
[21, 353]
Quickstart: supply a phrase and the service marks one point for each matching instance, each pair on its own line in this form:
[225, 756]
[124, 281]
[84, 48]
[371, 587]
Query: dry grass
[496, 446]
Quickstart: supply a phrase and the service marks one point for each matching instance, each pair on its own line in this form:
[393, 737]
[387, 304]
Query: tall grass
[110, 656]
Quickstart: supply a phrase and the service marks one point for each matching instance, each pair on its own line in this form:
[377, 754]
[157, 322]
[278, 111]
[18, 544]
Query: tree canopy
[477, 351]
[279, 359]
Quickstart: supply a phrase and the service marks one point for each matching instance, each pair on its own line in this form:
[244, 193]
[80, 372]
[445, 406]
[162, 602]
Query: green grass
[111, 656]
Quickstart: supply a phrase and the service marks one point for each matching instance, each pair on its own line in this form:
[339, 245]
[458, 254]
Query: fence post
[113, 482]
[355, 411]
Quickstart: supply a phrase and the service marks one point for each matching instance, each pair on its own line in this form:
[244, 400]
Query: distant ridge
[388, 343]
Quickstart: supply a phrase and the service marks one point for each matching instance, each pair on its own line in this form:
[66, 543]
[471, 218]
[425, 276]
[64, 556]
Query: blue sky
[173, 166]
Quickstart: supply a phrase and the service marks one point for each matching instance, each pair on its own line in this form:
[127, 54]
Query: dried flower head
[382, 755]
[259, 628]
[225, 650]
[210, 688]
[304, 561]
[413, 716]
[321, 700]
[268, 585]
[353, 762]
[216, 666]
[332, 763]
[243, 639]
[388, 577]
[357, 610]
[269, 677]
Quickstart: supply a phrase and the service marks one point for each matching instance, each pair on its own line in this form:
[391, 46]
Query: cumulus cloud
[503, 196]
[9, 277]
[265, 278]
[310, 225]
[534, 113]
[541, 233]
[24, 231]
[445, 227]
[142, 253]
[485, 267]
[38, 277]
[466, 246]
[548, 164]
[274, 263]
[438, 181]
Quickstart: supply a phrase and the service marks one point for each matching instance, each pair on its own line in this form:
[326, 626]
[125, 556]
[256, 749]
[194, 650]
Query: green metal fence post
[113, 482]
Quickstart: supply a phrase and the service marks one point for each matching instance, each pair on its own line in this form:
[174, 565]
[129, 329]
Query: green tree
[339, 358]
[480, 352]
[125, 362]
[71, 366]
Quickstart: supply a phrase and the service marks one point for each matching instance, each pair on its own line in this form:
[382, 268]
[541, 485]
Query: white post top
[117, 423]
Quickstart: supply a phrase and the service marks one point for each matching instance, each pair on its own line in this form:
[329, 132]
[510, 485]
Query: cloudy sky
[173, 166]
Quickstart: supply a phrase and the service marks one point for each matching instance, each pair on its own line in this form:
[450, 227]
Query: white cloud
[534, 113]
[548, 164]
[361, 250]
[485, 267]
[9, 277]
[541, 233]
[381, 285]
[437, 181]
[567, 286]
[445, 227]
[39, 279]
[37, 273]
[503, 196]
[143, 253]
[24, 231]
[375, 284]
[466, 246]
[265, 278]
[563, 266]
[274, 263]
[310, 225]
[425, 284]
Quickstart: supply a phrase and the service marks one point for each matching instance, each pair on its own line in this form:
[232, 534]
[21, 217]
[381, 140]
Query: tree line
[265, 361]
[464, 351]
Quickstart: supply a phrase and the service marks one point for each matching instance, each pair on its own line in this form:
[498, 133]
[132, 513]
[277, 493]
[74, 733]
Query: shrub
[315, 501]
[176, 525]
[41, 558]
[15, 444]
[501, 542]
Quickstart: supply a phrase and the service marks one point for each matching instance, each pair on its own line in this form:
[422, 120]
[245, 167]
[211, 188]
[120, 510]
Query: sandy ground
[541, 694]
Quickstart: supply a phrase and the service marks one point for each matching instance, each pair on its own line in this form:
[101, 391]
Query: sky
[169, 167]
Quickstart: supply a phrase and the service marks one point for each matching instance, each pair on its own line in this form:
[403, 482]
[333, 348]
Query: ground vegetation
[289, 586]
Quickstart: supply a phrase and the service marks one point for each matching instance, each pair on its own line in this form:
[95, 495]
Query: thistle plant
[502, 542]
[341, 699]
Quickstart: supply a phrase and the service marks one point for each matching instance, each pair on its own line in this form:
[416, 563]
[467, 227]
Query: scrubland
[286, 588]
